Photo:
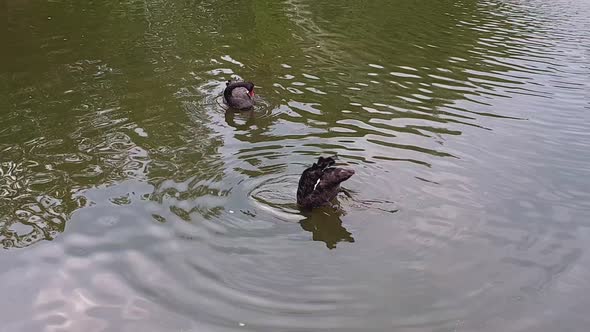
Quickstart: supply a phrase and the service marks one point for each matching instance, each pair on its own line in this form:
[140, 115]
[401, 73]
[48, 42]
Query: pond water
[130, 200]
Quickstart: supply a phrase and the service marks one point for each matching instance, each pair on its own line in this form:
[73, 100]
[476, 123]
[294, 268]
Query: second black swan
[320, 183]
[239, 94]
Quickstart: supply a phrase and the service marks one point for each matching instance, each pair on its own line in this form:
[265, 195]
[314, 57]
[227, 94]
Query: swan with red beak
[239, 94]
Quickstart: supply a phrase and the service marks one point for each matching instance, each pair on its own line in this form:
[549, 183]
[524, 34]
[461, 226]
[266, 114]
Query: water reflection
[469, 115]
[326, 226]
[240, 120]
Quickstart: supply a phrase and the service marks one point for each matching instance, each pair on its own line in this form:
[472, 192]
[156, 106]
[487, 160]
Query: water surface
[131, 200]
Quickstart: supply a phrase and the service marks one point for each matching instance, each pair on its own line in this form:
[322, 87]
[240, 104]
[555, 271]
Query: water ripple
[132, 199]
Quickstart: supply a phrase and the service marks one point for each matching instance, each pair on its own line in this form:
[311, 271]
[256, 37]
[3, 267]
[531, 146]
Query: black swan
[320, 183]
[239, 94]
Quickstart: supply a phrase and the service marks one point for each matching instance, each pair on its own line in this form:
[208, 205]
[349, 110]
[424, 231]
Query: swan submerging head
[320, 183]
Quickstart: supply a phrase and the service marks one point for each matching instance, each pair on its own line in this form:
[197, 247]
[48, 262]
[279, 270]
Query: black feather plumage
[239, 94]
[320, 183]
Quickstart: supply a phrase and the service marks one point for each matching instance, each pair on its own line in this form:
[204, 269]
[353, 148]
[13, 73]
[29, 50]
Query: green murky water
[130, 200]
